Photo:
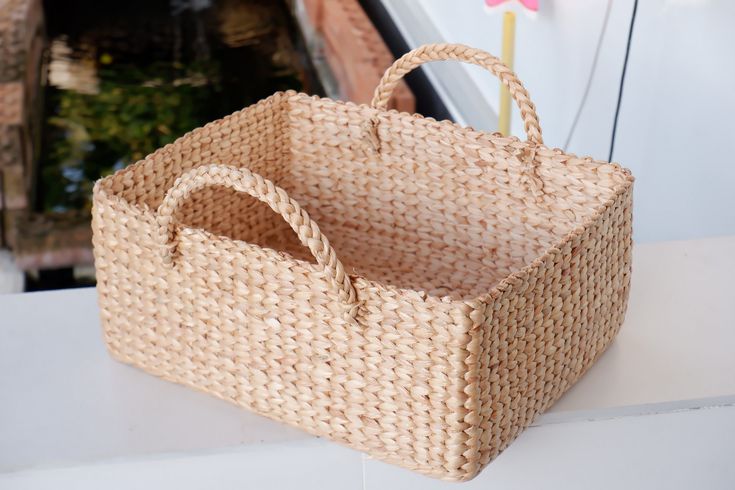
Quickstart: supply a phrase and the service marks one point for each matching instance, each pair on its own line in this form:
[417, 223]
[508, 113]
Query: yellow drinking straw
[509, 34]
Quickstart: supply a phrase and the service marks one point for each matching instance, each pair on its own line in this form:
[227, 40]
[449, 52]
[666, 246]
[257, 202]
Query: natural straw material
[469, 281]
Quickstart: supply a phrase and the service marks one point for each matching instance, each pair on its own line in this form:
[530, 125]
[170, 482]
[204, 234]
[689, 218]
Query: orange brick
[14, 187]
[10, 146]
[357, 54]
[340, 32]
[339, 69]
[11, 103]
[313, 10]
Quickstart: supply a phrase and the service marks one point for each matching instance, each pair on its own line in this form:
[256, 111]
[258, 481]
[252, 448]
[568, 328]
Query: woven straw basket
[468, 281]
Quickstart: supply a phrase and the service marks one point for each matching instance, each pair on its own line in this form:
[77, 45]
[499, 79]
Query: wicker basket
[469, 280]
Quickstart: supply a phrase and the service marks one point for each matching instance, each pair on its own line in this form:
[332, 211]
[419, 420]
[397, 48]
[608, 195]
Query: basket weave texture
[469, 279]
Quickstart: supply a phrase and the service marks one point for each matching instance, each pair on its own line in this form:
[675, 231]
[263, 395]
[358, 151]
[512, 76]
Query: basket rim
[143, 210]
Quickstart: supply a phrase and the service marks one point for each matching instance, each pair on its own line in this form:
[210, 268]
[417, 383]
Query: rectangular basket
[471, 278]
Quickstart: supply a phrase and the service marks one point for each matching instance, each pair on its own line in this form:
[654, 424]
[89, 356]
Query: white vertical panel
[593, 131]
[676, 126]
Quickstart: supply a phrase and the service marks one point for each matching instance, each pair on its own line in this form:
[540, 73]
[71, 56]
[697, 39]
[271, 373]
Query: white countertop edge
[571, 416]
[307, 444]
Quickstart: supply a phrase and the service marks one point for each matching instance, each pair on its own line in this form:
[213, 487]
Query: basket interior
[434, 207]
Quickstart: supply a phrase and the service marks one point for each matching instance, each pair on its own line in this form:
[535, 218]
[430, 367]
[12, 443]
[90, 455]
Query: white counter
[657, 410]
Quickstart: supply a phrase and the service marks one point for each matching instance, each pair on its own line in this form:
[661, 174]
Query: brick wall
[38, 241]
[355, 51]
[21, 49]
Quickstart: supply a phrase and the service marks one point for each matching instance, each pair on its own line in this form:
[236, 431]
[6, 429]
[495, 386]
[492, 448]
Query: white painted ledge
[71, 417]
[673, 451]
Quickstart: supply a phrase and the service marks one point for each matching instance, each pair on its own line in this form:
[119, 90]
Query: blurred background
[99, 86]
[88, 87]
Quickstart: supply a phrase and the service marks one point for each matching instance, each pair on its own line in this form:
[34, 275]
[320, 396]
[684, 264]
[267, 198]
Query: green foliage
[134, 112]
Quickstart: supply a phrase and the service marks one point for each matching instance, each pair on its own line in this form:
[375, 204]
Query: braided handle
[459, 52]
[243, 180]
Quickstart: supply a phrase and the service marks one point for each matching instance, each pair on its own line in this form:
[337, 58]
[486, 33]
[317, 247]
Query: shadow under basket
[468, 281]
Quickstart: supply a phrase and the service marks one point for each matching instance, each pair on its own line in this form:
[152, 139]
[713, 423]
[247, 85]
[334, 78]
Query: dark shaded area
[56, 279]
[126, 78]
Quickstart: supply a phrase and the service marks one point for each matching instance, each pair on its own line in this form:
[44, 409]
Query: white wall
[675, 124]
[676, 127]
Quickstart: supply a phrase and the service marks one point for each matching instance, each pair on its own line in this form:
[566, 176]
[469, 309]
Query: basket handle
[460, 52]
[243, 180]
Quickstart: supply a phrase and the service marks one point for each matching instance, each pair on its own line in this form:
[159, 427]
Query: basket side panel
[132, 286]
[262, 325]
[412, 407]
[550, 322]
[389, 380]
[265, 332]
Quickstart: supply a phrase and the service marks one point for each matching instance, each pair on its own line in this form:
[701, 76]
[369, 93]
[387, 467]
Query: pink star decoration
[531, 5]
